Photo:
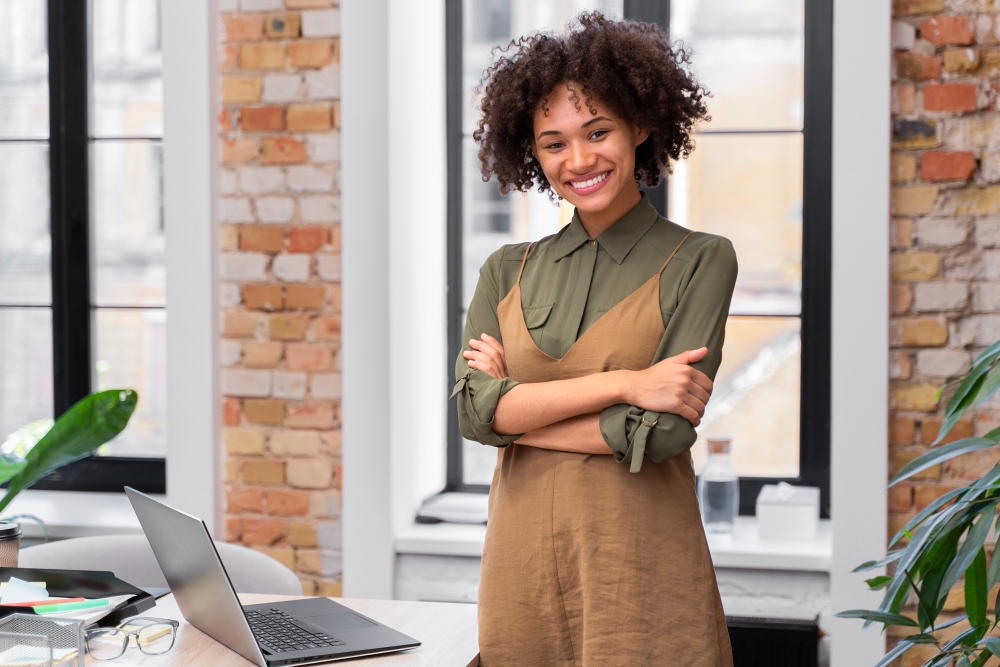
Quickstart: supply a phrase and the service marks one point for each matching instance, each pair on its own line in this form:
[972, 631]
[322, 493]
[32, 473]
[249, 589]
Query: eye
[555, 145]
[598, 134]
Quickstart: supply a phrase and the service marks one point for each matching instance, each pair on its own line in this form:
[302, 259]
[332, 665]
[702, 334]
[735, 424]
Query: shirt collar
[617, 240]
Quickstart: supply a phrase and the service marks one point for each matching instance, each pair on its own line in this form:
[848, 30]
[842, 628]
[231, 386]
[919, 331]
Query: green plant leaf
[876, 616]
[989, 386]
[892, 556]
[940, 455]
[932, 569]
[899, 649]
[922, 515]
[990, 353]
[976, 592]
[992, 645]
[879, 582]
[88, 424]
[922, 638]
[993, 573]
[968, 551]
[10, 466]
[962, 399]
[958, 639]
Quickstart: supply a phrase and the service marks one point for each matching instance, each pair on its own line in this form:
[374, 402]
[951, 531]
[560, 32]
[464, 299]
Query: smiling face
[588, 158]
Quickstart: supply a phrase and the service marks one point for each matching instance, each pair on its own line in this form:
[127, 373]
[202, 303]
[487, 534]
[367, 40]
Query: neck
[597, 222]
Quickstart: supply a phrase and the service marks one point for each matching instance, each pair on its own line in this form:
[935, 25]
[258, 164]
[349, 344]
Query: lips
[590, 183]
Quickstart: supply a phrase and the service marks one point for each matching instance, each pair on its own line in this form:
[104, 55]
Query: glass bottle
[719, 488]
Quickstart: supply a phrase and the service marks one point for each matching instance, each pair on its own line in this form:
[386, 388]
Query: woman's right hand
[673, 386]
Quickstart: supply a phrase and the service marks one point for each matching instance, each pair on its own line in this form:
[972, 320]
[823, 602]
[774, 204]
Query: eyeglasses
[153, 636]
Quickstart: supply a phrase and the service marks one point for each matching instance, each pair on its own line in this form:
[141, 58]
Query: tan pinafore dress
[586, 564]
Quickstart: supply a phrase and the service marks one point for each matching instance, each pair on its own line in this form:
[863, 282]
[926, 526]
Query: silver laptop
[297, 632]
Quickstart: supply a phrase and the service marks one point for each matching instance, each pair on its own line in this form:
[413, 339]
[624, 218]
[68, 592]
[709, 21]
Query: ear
[641, 134]
[534, 149]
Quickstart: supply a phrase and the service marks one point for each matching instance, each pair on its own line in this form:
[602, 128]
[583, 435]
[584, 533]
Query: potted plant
[944, 542]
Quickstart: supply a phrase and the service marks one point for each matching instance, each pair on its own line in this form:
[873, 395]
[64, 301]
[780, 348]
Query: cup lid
[719, 445]
[9, 531]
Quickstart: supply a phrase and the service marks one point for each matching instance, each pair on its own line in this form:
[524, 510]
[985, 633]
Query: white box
[786, 512]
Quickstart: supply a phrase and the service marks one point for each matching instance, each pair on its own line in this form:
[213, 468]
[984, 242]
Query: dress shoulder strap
[524, 261]
[671, 254]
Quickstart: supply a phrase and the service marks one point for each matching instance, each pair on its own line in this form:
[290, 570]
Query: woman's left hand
[487, 355]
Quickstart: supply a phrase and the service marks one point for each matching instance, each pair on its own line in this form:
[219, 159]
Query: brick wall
[280, 270]
[945, 298]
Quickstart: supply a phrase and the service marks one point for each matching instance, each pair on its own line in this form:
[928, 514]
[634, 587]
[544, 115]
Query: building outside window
[123, 329]
[744, 181]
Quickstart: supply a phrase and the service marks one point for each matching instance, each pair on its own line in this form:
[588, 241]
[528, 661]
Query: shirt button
[592, 243]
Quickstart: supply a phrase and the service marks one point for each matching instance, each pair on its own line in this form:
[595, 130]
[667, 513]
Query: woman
[590, 359]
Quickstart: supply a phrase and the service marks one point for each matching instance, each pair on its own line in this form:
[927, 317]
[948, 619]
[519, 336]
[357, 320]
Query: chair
[131, 559]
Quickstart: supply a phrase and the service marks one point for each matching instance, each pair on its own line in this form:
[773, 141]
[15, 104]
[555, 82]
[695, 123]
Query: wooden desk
[448, 632]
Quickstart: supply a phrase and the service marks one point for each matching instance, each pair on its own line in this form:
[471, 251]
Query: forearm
[581, 434]
[530, 406]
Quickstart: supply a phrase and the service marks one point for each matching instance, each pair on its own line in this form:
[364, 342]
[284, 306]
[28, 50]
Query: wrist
[621, 384]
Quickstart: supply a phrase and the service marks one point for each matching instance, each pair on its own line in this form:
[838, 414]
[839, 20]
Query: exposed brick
[901, 298]
[942, 363]
[237, 89]
[326, 328]
[931, 426]
[311, 53]
[986, 297]
[942, 30]
[989, 166]
[239, 324]
[915, 267]
[310, 473]
[917, 397]
[903, 35]
[288, 327]
[287, 502]
[269, 118]
[288, 385]
[284, 555]
[941, 232]
[323, 84]
[949, 97]
[929, 297]
[274, 210]
[947, 165]
[901, 231]
[307, 239]
[914, 134]
[244, 499]
[263, 531]
[282, 26]
[302, 534]
[308, 356]
[977, 201]
[231, 411]
[902, 167]
[263, 472]
[305, 297]
[326, 386]
[902, 431]
[283, 150]
[328, 267]
[264, 411]
[335, 106]
[908, 200]
[292, 268]
[320, 208]
[245, 383]
[900, 365]
[309, 561]
[925, 494]
[240, 151]
[243, 441]
[961, 60]
[918, 67]
[307, 4]
[282, 88]
[263, 296]
[232, 529]
[332, 589]
[295, 443]
[308, 118]
[235, 209]
[243, 27]
[904, 97]
[321, 23]
[262, 353]
[229, 237]
[261, 5]
[262, 55]
[974, 464]
[901, 498]
[230, 59]
[899, 458]
[262, 238]
[225, 121]
[919, 332]
[312, 414]
[911, 7]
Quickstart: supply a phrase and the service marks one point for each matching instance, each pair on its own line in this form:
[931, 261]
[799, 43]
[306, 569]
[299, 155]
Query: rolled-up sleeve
[699, 320]
[477, 393]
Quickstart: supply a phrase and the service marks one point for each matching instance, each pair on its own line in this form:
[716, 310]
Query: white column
[861, 138]
[190, 170]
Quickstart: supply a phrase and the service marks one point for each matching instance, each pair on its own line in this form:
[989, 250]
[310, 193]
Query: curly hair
[630, 67]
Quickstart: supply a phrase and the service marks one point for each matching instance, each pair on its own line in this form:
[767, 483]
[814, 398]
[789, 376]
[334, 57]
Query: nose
[581, 159]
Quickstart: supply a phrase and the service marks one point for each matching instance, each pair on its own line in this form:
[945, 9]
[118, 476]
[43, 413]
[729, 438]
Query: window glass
[25, 367]
[24, 70]
[25, 245]
[491, 219]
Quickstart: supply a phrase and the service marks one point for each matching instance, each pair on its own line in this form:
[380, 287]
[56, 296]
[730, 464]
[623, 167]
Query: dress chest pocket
[536, 316]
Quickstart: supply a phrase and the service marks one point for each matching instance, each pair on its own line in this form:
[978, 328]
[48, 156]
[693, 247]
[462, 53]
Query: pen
[69, 606]
[35, 603]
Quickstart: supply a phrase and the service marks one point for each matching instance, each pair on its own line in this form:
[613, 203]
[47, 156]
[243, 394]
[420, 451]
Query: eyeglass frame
[174, 625]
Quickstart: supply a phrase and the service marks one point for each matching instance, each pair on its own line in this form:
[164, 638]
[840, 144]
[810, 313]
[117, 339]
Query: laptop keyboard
[276, 632]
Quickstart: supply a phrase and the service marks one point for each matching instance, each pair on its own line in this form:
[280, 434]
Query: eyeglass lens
[106, 644]
[156, 639]
[152, 638]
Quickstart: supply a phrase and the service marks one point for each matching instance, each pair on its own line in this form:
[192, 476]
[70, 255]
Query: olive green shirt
[569, 281]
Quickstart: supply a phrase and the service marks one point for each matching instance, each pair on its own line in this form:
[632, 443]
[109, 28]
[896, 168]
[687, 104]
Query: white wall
[190, 162]
[860, 389]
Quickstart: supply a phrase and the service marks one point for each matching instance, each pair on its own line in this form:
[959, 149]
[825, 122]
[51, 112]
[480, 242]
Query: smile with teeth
[580, 185]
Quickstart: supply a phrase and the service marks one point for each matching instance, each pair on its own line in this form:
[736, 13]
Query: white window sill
[75, 514]
[741, 549]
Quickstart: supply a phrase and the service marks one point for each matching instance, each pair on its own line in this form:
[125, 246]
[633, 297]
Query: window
[760, 176]
[82, 267]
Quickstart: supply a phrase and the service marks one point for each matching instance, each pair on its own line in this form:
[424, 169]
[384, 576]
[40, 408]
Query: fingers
[498, 348]
[689, 356]
[487, 355]
[482, 362]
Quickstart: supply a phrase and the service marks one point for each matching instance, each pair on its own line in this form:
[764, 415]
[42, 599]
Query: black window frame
[814, 423]
[68, 37]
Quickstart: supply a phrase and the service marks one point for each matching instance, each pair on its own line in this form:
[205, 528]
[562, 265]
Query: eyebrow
[589, 122]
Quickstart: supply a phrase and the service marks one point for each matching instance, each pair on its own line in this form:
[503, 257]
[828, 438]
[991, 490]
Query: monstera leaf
[91, 422]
